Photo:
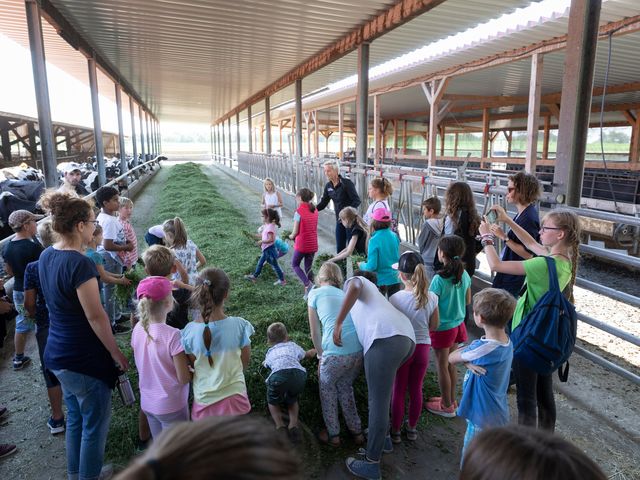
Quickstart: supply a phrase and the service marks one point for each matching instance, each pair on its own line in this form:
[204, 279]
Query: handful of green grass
[284, 235]
[123, 293]
[249, 235]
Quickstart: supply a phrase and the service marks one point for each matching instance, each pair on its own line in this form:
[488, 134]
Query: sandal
[358, 438]
[326, 439]
[396, 438]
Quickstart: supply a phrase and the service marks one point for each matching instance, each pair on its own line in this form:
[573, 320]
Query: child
[559, 238]
[271, 222]
[484, 393]
[36, 307]
[216, 448]
[154, 236]
[113, 242]
[452, 286]
[105, 277]
[518, 453]
[219, 347]
[379, 191]
[430, 233]
[384, 251]
[462, 219]
[305, 237]
[339, 366]
[271, 198]
[359, 234]
[162, 364]
[421, 307]
[21, 250]
[287, 378]
[125, 210]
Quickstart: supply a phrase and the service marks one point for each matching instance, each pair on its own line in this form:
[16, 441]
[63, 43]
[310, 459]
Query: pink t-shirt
[160, 390]
[129, 258]
[269, 227]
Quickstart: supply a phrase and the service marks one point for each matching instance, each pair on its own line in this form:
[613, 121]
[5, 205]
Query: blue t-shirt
[18, 254]
[72, 343]
[327, 300]
[384, 251]
[529, 221]
[452, 300]
[32, 282]
[484, 397]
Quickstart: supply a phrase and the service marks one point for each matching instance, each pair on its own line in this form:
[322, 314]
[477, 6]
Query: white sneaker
[280, 282]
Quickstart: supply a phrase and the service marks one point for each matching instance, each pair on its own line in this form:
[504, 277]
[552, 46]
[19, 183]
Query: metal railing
[411, 187]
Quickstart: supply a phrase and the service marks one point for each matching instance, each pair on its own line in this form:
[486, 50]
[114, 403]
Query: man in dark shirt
[20, 251]
[343, 193]
[72, 182]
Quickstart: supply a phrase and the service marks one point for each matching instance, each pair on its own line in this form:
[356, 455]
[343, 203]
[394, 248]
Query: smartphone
[492, 216]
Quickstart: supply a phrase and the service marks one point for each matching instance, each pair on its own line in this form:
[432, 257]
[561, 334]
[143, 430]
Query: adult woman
[380, 191]
[559, 238]
[388, 340]
[523, 190]
[81, 350]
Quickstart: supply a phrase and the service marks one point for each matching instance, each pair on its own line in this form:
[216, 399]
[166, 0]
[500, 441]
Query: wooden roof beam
[393, 17]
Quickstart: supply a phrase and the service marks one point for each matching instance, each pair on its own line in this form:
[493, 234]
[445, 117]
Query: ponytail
[452, 248]
[569, 222]
[306, 196]
[144, 308]
[420, 282]
[175, 233]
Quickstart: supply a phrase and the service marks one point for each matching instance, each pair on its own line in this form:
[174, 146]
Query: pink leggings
[410, 374]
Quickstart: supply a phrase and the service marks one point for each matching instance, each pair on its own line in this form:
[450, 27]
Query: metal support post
[376, 130]
[123, 155]
[133, 133]
[267, 125]
[238, 131]
[533, 117]
[341, 131]
[249, 131]
[298, 142]
[149, 145]
[484, 152]
[38, 63]
[213, 152]
[223, 140]
[575, 106]
[97, 126]
[230, 144]
[362, 116]
[434, 92]
[142, 150]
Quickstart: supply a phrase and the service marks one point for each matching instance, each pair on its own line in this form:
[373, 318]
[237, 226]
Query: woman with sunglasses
[523, 190]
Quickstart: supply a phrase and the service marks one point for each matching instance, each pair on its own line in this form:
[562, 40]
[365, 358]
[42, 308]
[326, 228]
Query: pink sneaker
[437, 408]
[439, 399]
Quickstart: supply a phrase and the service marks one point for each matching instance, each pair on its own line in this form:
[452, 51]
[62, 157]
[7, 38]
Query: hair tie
[154, 466]
[456, 257]
[207, 353]
[207, 282]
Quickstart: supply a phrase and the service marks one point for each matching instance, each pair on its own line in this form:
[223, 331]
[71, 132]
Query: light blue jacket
[384, 251]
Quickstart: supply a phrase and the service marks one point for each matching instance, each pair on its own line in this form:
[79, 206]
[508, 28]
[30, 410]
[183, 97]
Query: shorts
[49, 378]
[284, 386]
[447, 338]
[24, 323]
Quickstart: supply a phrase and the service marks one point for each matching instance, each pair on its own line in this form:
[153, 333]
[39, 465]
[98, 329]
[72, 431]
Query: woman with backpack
[559, 239]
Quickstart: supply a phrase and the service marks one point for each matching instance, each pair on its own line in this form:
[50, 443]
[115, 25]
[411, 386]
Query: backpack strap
[553, 274]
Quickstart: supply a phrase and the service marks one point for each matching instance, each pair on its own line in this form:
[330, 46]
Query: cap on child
[155, 288]
[381, 215]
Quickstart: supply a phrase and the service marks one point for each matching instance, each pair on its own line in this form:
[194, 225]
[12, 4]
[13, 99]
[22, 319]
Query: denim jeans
[24, 323]
[88, 402]
[108, 289]
[270, 256]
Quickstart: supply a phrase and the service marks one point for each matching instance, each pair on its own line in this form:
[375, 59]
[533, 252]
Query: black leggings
[535, 398]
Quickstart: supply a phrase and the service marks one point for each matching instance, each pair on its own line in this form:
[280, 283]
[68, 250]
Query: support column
[484, 151]
[376, 130]
[38, 63]
[280, 135]
[509, 136]
[545, 138]
[404, 137]
[341, 131]
[238, 131]
[577, 83]
[433, 91]
[455, 145]
[148, 131]
[533, 117]
[6, 141]
[362, 105]
[97, 126]
[395, 139]
[143, 152]
[267, 125]
[223, 139]
[442, 134]
[316, 134]
[124, 166]
[249, 131]
[229, 135]
[67, 142]
[635, 140]
[133, 133]
[307, 122]
[213, 148]
[298, 142]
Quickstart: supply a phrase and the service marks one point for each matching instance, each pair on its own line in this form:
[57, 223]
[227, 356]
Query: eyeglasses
[544, 229]
[95, 222]
[510, 189]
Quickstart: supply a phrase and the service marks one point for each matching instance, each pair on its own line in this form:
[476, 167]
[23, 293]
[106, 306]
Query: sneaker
[250, 278]
[311, 276]
[280, 282]
[396, 438]
[120, 329]
[295, 435]
[107, 472]
[306, 292]
[55, 426]
[20, 363]
[437, 408]
[388, 445]
[7, 449]
[412, 434]
[364, 468]
[439, 399]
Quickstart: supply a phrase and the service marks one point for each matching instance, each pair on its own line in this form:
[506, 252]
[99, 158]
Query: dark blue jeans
[343, 235]
[269, 255]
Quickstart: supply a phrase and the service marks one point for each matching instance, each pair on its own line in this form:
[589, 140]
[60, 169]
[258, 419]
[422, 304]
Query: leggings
[270, 256]
[534, 398]
[410, 374]
[381, 362]
[337, 374]
[308, 262]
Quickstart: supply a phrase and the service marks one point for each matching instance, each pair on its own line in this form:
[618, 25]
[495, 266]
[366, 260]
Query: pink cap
[381, 215]
[155, 288]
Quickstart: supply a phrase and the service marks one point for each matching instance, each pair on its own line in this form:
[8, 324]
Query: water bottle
[125, 390]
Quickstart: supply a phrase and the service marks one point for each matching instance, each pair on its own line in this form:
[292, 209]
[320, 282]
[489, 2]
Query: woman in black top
[359, 234]
[462, 219]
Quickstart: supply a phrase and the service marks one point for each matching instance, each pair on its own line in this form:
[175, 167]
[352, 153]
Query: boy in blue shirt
[488, 360]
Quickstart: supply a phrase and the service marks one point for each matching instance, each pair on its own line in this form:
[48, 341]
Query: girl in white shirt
[271, 198]
[380, 191]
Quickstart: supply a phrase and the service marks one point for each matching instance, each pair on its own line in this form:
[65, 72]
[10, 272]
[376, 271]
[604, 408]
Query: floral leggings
[337, 374]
